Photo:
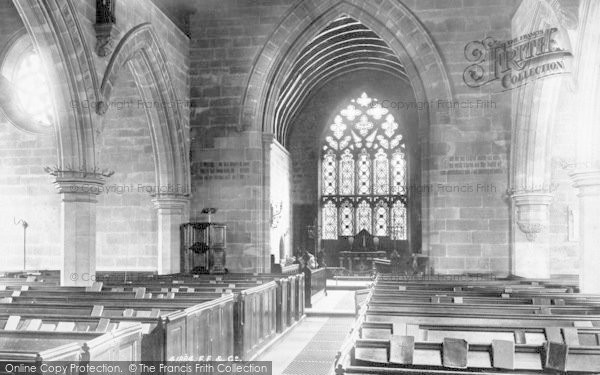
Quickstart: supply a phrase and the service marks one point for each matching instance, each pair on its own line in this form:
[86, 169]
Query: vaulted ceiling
[345, 45]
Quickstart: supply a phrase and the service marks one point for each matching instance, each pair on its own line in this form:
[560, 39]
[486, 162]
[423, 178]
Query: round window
[25, 95]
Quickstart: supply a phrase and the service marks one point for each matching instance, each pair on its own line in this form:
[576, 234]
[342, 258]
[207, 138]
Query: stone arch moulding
[140, 51]
[57, 35]
[396, 24]
[534, 107]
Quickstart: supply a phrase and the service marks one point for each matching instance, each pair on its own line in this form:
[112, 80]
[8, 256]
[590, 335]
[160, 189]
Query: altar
[362, 252]
[360, 260]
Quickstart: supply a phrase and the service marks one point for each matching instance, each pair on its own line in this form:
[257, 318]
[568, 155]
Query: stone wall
[226, 37]
[26, 191]
[469, 227]
[126, 221]
[229, 177]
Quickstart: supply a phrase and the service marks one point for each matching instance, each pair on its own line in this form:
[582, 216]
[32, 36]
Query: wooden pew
[294, 299]
[252, 316]
[507, 299]
[483, 334]
[255, 313]
[571, 280]
[490, 309]
[455, 354]
[255, 320]
[123, 344]
[197, 330]
[290, 289]
[525, 293]
[445, 329]
[88, 309]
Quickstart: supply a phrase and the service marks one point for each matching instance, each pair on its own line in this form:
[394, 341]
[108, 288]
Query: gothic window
[346, 219]
[330, 220]
[30, 107]
[32, 89]
[364, 173]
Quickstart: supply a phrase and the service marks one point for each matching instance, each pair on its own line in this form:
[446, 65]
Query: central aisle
[311, 346]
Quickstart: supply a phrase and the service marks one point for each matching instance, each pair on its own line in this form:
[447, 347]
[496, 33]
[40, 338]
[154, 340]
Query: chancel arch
[335, 38]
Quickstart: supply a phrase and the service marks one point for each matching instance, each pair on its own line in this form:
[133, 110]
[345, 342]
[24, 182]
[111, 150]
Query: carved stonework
[531, 230]
[586, 181]
[106, 30]
[106, 35]
[81, 172]
[532, 212]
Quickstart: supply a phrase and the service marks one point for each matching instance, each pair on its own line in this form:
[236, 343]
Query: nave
[330, 186]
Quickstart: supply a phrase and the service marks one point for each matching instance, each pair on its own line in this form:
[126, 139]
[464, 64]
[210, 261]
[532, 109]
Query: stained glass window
[346, 219]
[347, 173]
[398, 173]
[381, 219]
[381, 182]
[363, 217]
[329, 221]
[398, 221]
[364, 173]
[33, 91]
[329, 173]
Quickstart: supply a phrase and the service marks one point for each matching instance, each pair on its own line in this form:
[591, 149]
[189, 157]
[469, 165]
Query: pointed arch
[140, 51]
[393, 22]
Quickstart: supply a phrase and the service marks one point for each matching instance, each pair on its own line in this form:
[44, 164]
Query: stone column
[531, 253]
[171, 211]
[588, 185]
[78, 226]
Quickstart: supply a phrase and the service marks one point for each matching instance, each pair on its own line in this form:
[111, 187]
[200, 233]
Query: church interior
[301, 187]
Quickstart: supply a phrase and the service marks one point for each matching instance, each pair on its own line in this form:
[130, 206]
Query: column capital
[587, 181]
[79, 186]
[175, 202]
[531, 197]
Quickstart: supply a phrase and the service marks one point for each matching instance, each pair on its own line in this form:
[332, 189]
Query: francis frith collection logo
[518, 61]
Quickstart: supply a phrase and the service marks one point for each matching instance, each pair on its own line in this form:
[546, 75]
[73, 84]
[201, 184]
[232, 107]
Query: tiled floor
[349, 283]
[336, 301]
[310, 347]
